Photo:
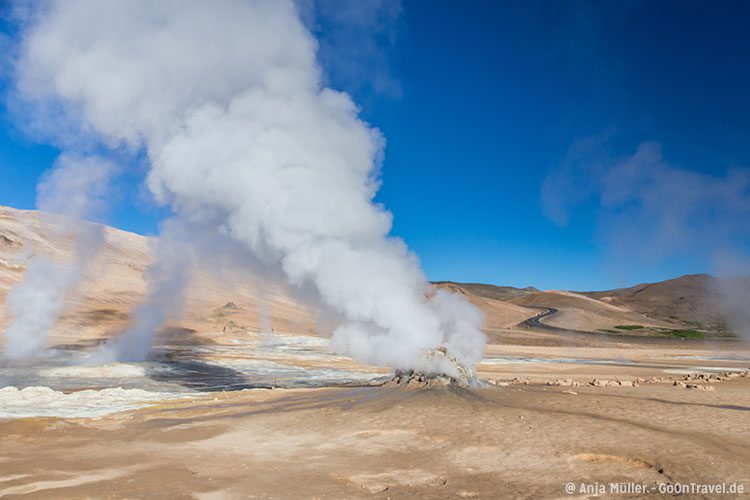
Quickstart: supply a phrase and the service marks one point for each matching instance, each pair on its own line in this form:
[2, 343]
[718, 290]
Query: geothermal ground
[589, 389]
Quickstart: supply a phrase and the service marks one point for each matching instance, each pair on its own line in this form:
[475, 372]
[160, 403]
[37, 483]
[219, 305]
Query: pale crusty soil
[381, 442]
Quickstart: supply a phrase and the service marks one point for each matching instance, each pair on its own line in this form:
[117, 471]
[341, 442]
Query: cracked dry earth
[381, 442]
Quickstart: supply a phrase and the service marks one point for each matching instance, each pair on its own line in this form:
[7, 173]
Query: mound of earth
[411, 378]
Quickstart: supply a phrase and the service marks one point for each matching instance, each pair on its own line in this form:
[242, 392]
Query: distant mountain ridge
[694, 299]
[114, 284]
[690, 301]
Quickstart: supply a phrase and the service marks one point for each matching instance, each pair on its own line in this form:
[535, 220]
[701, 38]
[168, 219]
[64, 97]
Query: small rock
[604, 383]
[700, 387]
[375, 488]
[563, 383]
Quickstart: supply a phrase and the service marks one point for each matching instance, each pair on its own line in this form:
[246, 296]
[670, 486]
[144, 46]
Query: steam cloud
[74, 187]
[226, 100]
[166, 279]
[651, 210]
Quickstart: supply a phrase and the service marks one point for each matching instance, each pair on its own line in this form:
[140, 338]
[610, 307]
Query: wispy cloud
[650, 207]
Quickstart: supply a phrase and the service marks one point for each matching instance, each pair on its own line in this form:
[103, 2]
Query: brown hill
[114, 283]
[694, 300]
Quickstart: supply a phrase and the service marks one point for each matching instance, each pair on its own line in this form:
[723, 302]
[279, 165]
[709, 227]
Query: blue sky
[480, 102]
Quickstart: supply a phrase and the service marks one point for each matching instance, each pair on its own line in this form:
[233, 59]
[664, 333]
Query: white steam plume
[734, 288]
[226, 97]
[74, 187]
[166, 279]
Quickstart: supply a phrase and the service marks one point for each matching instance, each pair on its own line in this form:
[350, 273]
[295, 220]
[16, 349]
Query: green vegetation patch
[686, 334]
[608, 331]
[629, 327]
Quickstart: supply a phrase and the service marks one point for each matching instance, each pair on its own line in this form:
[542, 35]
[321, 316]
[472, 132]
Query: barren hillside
[694, 299]
[222, 300]
[216, 301]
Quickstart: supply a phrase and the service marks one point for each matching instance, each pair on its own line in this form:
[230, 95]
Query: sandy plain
[519, 441]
